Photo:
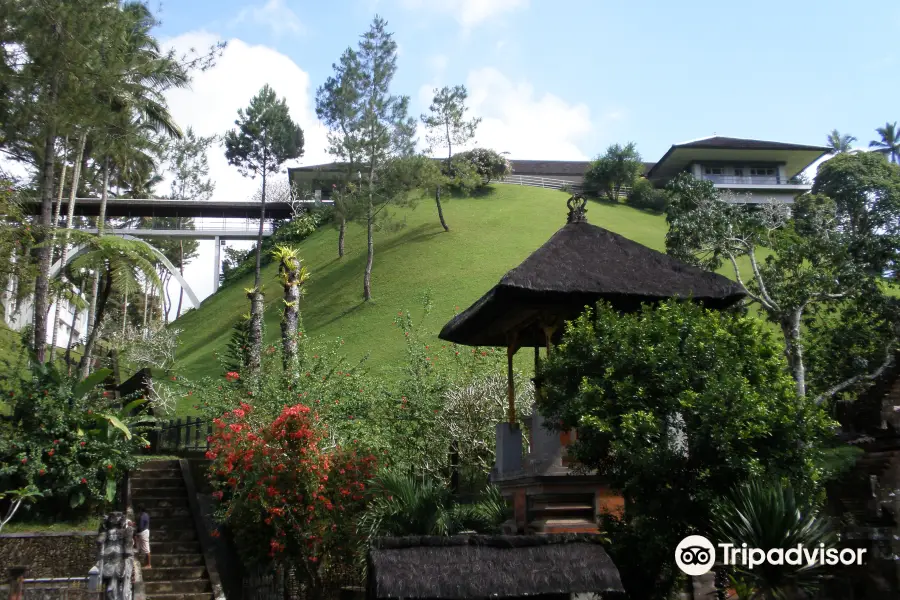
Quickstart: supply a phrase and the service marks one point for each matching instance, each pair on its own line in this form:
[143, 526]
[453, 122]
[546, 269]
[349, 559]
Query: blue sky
[652, 72]
[557, 79]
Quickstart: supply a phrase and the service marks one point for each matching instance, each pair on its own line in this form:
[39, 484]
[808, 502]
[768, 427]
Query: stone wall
[48, 554]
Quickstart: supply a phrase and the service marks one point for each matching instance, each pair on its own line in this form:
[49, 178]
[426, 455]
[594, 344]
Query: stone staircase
[179, 570]
[561, 513]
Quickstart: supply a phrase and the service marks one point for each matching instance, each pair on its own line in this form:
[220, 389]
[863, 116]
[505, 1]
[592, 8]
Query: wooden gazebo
[578, 266]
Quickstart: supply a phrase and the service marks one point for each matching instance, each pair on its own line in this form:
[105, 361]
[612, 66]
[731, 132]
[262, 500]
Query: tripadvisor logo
[695, 555]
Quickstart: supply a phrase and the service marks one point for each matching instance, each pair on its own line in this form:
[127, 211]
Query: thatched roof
[578, 266]
[479, 566]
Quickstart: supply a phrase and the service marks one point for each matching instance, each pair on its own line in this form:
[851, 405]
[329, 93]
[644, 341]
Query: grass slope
[488, 236]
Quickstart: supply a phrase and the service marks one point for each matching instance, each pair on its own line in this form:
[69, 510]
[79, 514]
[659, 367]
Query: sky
[555, 79]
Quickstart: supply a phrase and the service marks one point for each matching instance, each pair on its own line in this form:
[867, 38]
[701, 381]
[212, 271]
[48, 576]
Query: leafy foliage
[647, 392]
[644, 195]
[67, 438]
[287, 492]
[768, 515]
[607, 174]
[489, 164]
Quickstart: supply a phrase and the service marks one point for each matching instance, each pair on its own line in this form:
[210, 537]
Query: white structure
[764, 170]
[69, 317]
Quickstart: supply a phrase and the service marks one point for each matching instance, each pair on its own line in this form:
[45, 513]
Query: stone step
[198, 596]
[168, 512]
[157, 483]
[155, 465]
[551, 510]
[155, 474]
[172, 547]
[159, 492]
[164, 573]
[171, 524]
[183, 586]
[152, 502]
[194, 559]
[186, 534]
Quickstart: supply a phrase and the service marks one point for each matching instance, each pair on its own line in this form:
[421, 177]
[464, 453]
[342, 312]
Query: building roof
[482, 566]
[578, 266]
[550, 167]
[796, 157]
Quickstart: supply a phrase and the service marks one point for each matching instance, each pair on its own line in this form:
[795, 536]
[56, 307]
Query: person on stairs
[142, 534]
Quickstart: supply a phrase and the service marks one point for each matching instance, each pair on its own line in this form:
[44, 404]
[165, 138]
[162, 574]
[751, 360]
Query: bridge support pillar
[217, 263]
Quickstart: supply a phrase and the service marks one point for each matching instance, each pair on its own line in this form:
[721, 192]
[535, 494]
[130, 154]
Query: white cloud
[274, 14]
[437, 63]
[516, 120]
[210, 107]
[468, 13]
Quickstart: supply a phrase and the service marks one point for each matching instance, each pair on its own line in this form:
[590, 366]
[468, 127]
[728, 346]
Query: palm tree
[768, 515]
[839, 142]
[118, 263]
[405, 505]
[889, 144]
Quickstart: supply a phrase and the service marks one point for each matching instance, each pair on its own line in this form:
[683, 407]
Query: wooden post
[17, 582]
[510, 382]
[177, 434]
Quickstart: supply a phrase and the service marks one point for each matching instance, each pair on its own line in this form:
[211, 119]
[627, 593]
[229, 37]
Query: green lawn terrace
[489, 234]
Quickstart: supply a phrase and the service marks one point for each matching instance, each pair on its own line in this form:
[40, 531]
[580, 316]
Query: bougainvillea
[288, 492]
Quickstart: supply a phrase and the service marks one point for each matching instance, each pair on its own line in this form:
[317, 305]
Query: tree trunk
[289, 318]
[68, 355]
[262, 221]
[62, 185]
[341, 231]
[257, 307]
[44, 251]
[146, 302]
[104, 196]
[370, 252]
[793, 350]
[124, 311]
[92, 305]
[85, 365]
[437, 200]
[181, 272]
[70, 217]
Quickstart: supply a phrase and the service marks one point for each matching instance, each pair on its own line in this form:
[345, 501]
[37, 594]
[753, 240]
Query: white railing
[542, 182]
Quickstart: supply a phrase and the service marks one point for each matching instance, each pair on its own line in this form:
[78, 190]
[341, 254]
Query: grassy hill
[488, 236]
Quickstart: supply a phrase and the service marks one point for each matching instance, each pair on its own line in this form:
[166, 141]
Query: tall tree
[338, 107]
[840, 142]
[266, 137]
[824, 263]
[293, 276]
[889, 144]
[375, 124]
[447, 127]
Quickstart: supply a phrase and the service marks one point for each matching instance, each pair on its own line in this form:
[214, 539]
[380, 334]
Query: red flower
[83, 480]
[24, 460]
[55, 441]
[109, 466]
[50, 453]
[41, 472]
[215, 533]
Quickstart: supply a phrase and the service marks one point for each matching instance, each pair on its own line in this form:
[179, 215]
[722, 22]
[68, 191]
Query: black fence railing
[187, 435]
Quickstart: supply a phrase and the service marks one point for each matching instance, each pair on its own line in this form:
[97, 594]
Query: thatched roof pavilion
[497, 566]
[578, 266]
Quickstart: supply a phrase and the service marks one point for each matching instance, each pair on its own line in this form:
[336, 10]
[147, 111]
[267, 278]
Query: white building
[765, 170]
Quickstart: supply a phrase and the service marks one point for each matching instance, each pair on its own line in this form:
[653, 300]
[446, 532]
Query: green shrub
[644, 196]
[67, 438]
[489, 164]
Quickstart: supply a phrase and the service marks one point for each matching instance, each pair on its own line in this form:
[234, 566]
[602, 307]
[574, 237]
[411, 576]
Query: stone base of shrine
[565, 503]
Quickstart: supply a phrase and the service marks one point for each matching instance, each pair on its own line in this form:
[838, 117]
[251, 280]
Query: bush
[644, 196]
[288, 492]
[489, 164]
[67, 438]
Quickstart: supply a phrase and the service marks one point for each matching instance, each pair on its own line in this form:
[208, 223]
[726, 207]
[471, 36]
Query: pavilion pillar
[217, 263]
[508, 455]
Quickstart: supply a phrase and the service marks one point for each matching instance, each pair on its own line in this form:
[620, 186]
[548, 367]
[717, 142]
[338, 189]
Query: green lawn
[488, 236]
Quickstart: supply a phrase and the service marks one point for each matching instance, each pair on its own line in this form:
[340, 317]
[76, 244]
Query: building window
[762, 171]
[714, 171]
[739, 171]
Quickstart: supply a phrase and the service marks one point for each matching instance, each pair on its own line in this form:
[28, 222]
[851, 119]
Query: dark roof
[549, 167]
[580, 265]
[730, 143]
[480, 566]
[746, 144]
[152, 207]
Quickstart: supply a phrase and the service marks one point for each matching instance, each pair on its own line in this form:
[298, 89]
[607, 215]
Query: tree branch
[737, 274]
[759, 279]
[888, 361]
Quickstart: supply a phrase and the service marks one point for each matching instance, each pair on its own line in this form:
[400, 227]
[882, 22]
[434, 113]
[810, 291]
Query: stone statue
[116, 546]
